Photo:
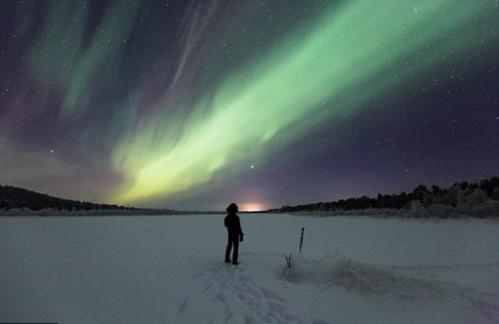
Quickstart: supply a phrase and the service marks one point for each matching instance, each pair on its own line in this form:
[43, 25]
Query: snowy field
[170, 269]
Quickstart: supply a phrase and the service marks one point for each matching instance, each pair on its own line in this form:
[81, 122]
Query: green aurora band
[356, 53]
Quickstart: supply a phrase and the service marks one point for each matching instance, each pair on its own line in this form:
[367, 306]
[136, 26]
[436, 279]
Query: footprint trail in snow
[237, 293]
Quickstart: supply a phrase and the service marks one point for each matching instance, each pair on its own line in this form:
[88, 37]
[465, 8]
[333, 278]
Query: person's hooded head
[232, 209]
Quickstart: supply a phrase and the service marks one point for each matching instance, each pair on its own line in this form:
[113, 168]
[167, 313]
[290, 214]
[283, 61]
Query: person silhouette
[236, 235]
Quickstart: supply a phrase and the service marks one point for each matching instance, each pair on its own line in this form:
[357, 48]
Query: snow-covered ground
[170, 270]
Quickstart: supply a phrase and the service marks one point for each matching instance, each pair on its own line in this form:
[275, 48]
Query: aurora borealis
[195, 104]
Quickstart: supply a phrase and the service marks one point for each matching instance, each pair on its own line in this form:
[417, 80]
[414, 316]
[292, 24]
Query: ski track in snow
[233, 289]
[485, 303]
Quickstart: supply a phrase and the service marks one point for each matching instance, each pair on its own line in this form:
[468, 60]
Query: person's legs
[227, 250]
[235, 254]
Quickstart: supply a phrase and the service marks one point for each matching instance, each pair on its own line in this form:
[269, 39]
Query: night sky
[195, 104]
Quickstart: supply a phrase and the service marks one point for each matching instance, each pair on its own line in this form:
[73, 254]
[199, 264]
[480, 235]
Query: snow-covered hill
[170, 270]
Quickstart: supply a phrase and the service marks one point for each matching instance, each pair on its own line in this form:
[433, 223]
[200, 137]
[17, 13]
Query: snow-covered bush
[340, 272]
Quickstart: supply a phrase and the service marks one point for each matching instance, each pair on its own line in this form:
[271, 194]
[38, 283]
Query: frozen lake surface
[170, 269]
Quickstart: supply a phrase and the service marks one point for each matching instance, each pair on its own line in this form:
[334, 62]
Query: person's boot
[235, 262]
[227, 260]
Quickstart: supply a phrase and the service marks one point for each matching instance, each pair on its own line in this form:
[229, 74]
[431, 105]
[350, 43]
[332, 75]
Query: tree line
[461, 193]
[19, 198]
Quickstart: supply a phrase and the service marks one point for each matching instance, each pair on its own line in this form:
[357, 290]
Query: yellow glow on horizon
[252, 207]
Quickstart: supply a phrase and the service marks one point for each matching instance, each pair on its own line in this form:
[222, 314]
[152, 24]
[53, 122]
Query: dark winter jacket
[233, 224]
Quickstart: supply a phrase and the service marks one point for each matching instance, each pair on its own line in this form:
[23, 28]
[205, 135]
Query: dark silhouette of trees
[18, 198]
[459, 193]
[490, 186]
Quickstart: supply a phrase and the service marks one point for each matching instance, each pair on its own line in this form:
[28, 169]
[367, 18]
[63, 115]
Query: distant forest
[18, 198]
[467, 194]
[462, 198]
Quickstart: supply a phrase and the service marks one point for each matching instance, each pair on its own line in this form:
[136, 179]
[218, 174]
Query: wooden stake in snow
[301, 238]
